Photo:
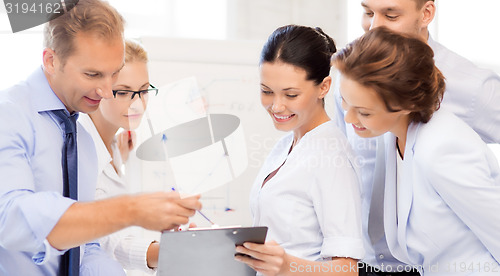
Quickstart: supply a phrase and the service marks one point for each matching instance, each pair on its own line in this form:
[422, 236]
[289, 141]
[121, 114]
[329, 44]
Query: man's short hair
[94, 17]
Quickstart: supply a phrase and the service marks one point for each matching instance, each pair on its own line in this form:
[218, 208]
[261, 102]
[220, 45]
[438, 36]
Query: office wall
[256, 19]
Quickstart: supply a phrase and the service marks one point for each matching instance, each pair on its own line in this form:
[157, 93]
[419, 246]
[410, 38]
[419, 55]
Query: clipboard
[206, 252]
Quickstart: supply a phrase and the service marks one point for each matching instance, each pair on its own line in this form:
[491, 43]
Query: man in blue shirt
[84, 52]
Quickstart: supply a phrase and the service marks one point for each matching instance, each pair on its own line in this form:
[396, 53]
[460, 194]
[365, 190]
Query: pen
[129, 139]
[203, 215]
[206, 218]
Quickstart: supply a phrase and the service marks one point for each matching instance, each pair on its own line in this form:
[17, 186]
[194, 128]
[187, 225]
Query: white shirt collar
[103, 156]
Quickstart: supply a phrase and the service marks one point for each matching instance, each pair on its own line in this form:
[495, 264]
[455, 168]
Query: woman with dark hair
[442, 183]
[307, 191]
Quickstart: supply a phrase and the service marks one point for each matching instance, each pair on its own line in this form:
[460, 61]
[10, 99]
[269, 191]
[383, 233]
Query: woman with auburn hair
[442, 183]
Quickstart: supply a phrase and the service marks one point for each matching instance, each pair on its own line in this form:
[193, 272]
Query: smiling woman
[307, 190]
[431, 181]
[289, 98]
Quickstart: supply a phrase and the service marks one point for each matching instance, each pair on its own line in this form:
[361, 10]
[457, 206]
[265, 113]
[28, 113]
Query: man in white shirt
[471, 93]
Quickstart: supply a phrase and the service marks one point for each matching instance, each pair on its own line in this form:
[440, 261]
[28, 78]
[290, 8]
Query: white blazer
[448, 222]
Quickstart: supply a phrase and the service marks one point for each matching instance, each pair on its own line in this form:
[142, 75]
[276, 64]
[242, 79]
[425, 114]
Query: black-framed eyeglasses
[128, 95]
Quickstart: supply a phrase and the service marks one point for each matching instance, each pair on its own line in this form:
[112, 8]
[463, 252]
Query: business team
[423, 200]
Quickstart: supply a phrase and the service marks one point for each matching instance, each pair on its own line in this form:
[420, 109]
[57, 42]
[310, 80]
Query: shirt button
[381, 256]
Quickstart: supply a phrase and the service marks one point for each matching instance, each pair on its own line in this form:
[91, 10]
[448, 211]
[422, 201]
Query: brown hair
[90, 16]
[135, 52]
[400, 68]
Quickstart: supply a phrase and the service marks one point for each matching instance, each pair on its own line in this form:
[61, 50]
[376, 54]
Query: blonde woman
[125, 109]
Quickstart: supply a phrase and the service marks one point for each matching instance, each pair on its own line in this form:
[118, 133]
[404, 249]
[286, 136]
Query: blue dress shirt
[31, 200]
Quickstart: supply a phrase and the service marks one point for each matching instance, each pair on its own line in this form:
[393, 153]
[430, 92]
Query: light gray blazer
[448, 222]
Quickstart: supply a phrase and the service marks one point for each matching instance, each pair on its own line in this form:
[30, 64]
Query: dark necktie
[70, 261]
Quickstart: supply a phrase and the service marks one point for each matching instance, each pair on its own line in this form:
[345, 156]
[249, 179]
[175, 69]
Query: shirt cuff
[346, 247]
[133, 253]
[48, 251]
[97, 262]
[141, 246]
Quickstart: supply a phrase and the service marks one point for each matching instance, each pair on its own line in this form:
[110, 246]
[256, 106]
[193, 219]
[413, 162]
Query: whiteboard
[226, 75]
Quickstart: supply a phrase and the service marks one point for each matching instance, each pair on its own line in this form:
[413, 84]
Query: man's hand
[163, 211]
